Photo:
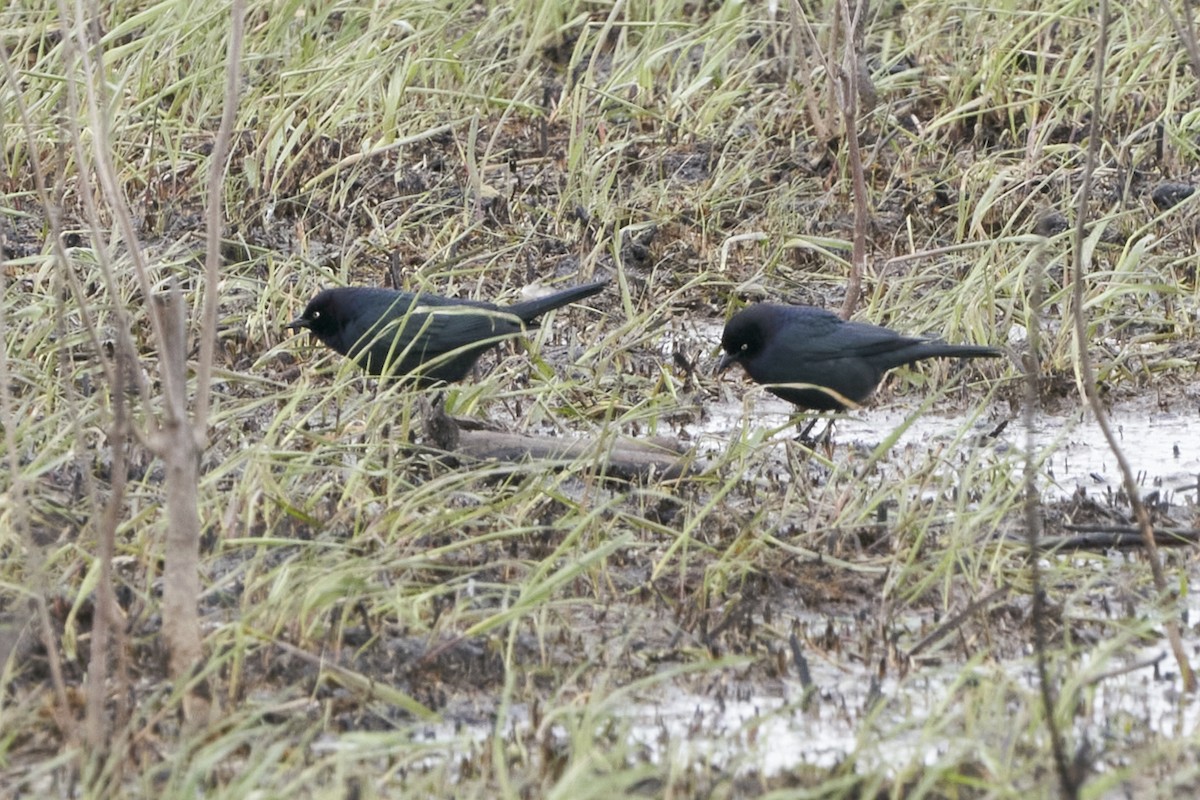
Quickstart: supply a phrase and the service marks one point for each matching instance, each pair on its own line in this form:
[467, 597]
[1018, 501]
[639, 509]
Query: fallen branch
[624, 458]
[1118, 538]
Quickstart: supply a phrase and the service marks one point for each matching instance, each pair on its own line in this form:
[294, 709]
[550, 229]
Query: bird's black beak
[723, 364]
[297, 324]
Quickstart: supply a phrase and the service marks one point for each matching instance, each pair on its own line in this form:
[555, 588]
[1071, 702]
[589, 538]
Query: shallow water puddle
[1163, 448]
[770, 727]
[775, 728]
[896, 722]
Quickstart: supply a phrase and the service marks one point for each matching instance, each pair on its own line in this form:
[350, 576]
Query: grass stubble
[379, 621]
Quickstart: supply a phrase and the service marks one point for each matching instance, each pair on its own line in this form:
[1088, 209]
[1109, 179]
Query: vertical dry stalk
[179, 437]
[106, 620]
[215, 216]
[847, 84]
[1068, 782]
[20, 523]
[1186, 31]
[179, 447]
[843, 82]
[62, 711]
[1086, 371]
[822, 129]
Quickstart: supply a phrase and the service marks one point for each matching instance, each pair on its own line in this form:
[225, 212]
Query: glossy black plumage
[779, 345]
[434, 339]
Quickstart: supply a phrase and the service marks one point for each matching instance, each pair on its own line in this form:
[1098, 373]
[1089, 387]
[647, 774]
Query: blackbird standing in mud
[430, 338]
[839, 362]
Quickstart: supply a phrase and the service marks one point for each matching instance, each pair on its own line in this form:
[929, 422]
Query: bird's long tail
[942, 350]
[529, 310]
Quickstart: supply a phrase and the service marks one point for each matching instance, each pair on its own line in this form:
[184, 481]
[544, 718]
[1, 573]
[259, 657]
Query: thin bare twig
[799, 21]
[107, 617]
[849, 104]
[62, 707]
[174, 441]
[1087, 372]
[62, 710]
[178, 440]
[76, 31]
[1068, 783]
[215, 217]
[1186, 31]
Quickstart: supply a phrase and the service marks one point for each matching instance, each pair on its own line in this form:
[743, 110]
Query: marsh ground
[843, 620]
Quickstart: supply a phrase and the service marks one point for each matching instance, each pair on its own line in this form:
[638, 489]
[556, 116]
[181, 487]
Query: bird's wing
[445, 328]
[826, 337]
[392, 321]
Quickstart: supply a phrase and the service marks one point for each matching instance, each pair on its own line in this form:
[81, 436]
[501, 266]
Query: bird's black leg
[825, 440]
[806, 428]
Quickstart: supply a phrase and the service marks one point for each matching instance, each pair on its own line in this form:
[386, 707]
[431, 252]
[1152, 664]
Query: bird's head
[744, 338]
[323, 316]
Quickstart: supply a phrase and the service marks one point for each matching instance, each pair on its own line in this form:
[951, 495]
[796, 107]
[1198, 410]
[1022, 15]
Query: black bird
[842, 362]
[433, 339]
